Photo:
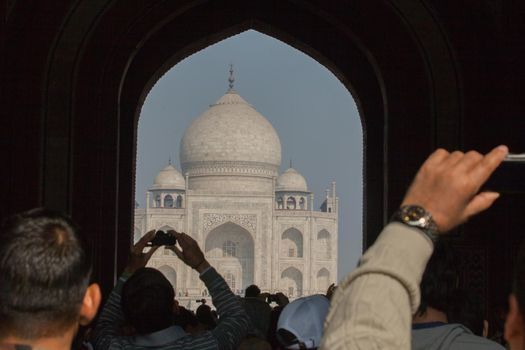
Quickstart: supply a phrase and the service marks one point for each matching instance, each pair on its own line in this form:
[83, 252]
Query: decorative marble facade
[254, 226]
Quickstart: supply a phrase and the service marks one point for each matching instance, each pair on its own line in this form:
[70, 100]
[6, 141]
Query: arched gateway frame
[119, 50]
[283, 36]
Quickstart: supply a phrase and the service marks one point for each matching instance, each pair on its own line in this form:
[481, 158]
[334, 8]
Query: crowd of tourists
[403, 295]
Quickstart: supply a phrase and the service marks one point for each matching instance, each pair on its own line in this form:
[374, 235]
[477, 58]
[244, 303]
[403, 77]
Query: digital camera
[162, 238]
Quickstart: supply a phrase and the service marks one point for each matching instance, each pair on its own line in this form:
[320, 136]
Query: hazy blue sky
[312, 112]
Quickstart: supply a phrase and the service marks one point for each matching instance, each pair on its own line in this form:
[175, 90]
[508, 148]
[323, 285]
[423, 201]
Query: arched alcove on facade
[231, 248]
[292, 243]
[168, 201]
[291, 203]
[178, 203]
[302, 203]
[170, 274]
[292, 282]
[323, 280]
[324, 244]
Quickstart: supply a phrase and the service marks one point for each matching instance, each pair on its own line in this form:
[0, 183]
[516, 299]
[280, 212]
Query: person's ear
[90, 304]
[514, 326]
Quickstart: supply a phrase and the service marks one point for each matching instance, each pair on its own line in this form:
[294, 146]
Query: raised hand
[447, 185]
[137, 258]
[191, 254]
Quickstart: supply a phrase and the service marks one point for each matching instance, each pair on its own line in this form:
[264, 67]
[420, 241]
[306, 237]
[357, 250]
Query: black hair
[467, 308]
[44, 273]
[147, 301]
[440, 279]
[205, 316]
[252, 291]
[185, 318]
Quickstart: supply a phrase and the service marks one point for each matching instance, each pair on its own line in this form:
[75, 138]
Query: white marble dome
[230, 137]
[169, 178]
[291, 181]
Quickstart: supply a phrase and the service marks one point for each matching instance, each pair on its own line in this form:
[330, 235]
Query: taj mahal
[255, 226]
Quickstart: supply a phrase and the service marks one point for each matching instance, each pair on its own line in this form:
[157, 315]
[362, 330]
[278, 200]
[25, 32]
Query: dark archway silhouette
[106, 55]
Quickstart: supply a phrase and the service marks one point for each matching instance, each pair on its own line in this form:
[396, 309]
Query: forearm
[234, 321]
[373, 306]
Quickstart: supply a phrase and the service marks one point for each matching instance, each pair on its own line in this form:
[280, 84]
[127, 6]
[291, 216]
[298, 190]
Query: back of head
[185, 319]
[147, 301]
[204, 315]
[252, 291]
[300, 324]
[440, 279]
[466, 308]
[44, 274]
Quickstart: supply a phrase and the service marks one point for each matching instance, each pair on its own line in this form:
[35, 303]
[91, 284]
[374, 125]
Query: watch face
[415, 216]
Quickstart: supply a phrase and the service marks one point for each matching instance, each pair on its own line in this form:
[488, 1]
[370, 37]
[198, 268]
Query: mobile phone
[509, 177]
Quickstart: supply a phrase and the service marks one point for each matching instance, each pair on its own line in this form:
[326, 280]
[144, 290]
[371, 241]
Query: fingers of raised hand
[470, 160]
[186, 241]
[480, 202]
[447, 184]
[178, 252]
[182, 238]
[437, 157]
[453, 159]
[482, 171]
[143, 241]
[150, 252]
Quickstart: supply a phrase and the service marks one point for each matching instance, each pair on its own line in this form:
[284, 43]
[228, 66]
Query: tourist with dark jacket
[147, 297]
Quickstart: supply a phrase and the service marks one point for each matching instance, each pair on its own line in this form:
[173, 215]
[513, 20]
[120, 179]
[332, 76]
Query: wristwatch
[417, 217]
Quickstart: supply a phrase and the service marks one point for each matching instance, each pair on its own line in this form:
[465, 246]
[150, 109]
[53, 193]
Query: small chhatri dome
[169, 179]
[291, 181]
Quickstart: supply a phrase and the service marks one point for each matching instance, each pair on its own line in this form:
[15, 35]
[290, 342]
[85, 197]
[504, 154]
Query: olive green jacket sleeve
[373, 306]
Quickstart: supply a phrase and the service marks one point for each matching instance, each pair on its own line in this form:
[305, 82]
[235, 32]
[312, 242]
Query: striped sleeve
[233, 324]
[111, 317]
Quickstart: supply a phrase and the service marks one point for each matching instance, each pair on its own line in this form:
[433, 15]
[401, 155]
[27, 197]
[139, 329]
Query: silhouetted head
[44, 277]
[147, 301]
[205, 316]
[440, 279]
[252, 291]
[186, 319]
